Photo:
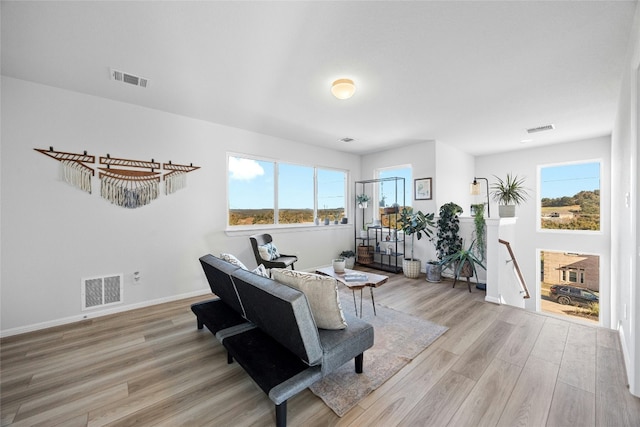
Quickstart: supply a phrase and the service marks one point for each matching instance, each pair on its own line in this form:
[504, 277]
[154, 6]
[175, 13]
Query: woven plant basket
[411, 268]
[365, 254]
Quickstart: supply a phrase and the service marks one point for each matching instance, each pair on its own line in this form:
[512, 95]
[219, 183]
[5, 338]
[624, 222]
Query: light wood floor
[495, 366]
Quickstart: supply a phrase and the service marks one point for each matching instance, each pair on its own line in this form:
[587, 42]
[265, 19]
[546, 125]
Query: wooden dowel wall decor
[73, 168]
[134, 183]
[177, 178]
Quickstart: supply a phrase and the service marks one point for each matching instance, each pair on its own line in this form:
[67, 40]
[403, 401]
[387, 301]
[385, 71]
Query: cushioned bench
[269, 329]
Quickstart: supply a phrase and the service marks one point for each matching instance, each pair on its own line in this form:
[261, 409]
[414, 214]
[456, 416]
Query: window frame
[406, 199]
[277, 163]
[601, 189]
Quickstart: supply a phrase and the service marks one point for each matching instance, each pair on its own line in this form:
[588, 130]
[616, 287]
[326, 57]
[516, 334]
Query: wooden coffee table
[372, 281]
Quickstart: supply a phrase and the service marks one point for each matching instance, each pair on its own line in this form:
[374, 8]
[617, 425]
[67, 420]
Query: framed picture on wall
[422, 189]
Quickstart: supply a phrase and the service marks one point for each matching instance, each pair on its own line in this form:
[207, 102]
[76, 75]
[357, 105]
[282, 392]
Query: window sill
[286, 228]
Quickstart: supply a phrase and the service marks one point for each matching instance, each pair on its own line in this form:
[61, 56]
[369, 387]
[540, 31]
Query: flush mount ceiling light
[343, 88]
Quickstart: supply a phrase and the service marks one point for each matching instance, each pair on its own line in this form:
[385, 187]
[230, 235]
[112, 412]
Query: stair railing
[524, 291]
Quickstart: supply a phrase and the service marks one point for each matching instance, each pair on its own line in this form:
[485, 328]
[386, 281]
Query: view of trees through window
[267, 192]
[389, 191]
[331, 194]
[570, 196]
[295, 194]
[251, 191]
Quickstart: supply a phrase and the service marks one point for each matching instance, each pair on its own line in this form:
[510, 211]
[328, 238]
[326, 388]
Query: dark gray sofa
[269, 329]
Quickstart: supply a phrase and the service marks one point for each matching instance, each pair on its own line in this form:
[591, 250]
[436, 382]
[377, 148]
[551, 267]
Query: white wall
[626, 233]
[450, 168]
[54, 234]
[455, 172]
[524, 163]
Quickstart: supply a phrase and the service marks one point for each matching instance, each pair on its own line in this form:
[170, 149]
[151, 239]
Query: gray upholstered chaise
[268, 328]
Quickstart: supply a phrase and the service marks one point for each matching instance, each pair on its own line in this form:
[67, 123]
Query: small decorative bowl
[338, 265]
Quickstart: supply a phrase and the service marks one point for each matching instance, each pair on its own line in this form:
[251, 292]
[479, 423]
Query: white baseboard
[493, 300]
[627, 360]
[95, 314]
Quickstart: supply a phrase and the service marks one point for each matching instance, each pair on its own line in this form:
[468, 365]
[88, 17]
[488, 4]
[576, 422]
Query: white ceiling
[472, 74]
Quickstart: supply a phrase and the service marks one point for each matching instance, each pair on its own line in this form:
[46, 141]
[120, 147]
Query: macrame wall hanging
[72, 167]
[177, 178]
[124, 182]
[129, 188]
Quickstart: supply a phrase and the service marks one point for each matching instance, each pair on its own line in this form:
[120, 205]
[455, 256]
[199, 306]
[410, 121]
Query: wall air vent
[541, 128]
[101, 291]
[121, 76]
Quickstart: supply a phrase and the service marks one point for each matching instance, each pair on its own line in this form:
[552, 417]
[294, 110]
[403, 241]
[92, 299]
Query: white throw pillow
[268, 252]
[321, 292]
[261, 271]
[233, 260]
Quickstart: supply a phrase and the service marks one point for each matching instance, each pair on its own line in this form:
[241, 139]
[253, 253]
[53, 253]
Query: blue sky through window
[388, 188]
[295, 186]
[567, 180]
[251, 185]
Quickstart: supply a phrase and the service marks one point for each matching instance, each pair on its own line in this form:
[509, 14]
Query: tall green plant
[448, 226]
[416, 224]
[480, 231]
[457, 261]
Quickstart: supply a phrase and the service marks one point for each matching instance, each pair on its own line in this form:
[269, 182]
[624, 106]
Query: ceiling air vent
[541, 128]
[121, 76]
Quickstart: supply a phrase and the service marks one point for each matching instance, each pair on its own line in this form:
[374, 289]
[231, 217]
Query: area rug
[398, 339]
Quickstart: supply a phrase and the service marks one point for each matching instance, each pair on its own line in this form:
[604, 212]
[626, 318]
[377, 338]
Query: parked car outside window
[566, 295]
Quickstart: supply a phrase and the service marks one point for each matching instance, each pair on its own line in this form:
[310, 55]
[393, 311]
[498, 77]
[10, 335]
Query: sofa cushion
[282, 312]
[268, 252]
[231, 259]
[218, 273]
[322, 293]
[340, 345]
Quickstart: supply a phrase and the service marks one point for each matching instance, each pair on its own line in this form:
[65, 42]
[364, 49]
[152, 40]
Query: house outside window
[572, 276]
[582, 270]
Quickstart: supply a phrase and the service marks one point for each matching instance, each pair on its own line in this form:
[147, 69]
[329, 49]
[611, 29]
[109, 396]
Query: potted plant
[434, 271]
[364, 232]
[463, 262]
[349, 258]
[448, 241]
[414, 225]
[480, 235]
[509, 193]
[363, 200]
[338, 265]
[480, 230]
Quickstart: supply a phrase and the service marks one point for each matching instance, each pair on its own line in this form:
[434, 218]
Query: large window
[251, 191]
[570, 284]
[388, 192]
[331, 194]
[295, 194]
[268, 192]
[570, 196]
